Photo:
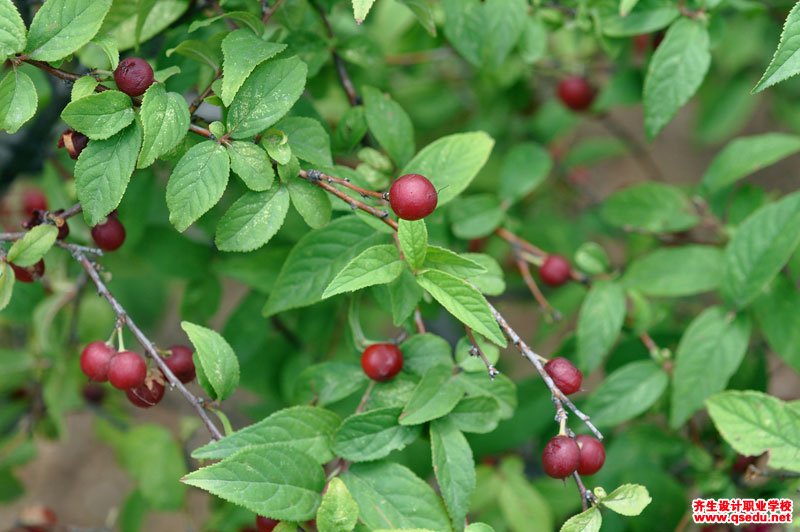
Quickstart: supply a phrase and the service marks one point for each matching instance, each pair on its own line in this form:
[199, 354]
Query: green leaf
[454, 467]
[7, 280]
[12, 30]
[316, 259]
[491, 281]
[252, 220]
[745, 155]
[533, 41]
[475, 216]
[313, 203]
[478, 527]
[62, 26]
[435, 396]
[390, 125]
[452, 162]
[206, 52]
[714, 339]
[501, 389]
[242, 52]
[217, 359]
[421, 352]
[165, 120]
[646, 18]
[462, 301]
[251, 163]
[786, 61]
[413, 237]
[372, 435]
[424, 12]
[479, 414]
[361, 8]
[587, 521]
[103, 171]
[404, 296]
[153, 458]
[522, 505]
[267, 94]
[628, 499]
[471, 363]
[592, 258]
[760, 247]
[328, 382]
[525, 167]
[626, 393]
[197, 183]
[244, 17]
[675, 72]
[277, 482]
[105, 45]
[625, 6]
[778, 314]
[444, 260]
[101, 115]
[308, 429]
[85, 86]
[338, 511]
[599, 323]
[376, 265]
[123, 20]
[650, 207]
[18, 100]
[30, 249]
[484, 33]
[656, 274]
[754, 422]
[308, 139]
[391, 496]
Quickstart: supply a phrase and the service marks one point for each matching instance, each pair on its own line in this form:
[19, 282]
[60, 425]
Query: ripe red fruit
[555, 270]
[560, 457]
[381, 362]
[148, 393]
[576, 93]
[133, 76]
[413, 197]
[28, 274]
[127, 370]
[265, 524]
[109, 235]
[567, 377]
[181, 364]
[73, 141]
[95, 360]
[593, 454]
[33, 200]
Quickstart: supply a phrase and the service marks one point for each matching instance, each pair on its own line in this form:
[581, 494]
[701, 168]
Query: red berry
[413, 197]
[33, 200]
[133, 76]
[109, 235]
[593, 454]
[63, 230]
[148, 393]
[555, 270]
[576, 93]
[265, 524]
[127, 370]
[560, 457]
[28, 274]
[567, 377]
[95, 360]
[181, 364]
[381, 362]
[73, 141]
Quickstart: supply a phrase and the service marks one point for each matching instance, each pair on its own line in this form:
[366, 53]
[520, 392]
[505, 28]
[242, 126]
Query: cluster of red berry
[127, 371]
[563, 455]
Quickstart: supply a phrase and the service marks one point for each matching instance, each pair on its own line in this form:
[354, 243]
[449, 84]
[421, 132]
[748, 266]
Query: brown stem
[57, 72]
[149, 347]
[587, 497]
[418, 321]
[364, 398]
[525, 270]
[203, 95]
[267, 11]
[318, 178]
[201, 131]
[640, 152]
[362, 191]
[514, 240]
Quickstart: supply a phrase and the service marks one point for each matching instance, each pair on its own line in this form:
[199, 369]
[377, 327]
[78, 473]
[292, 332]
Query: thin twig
[365, 193]
[587, 497]
[203, 95]
[7, 237]
[148, 346]
[476, 351]
[418, 321]
[516, 241]
[525, 270]
[267, 11]
[640, 153]
[318, 178]
[536, 360]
